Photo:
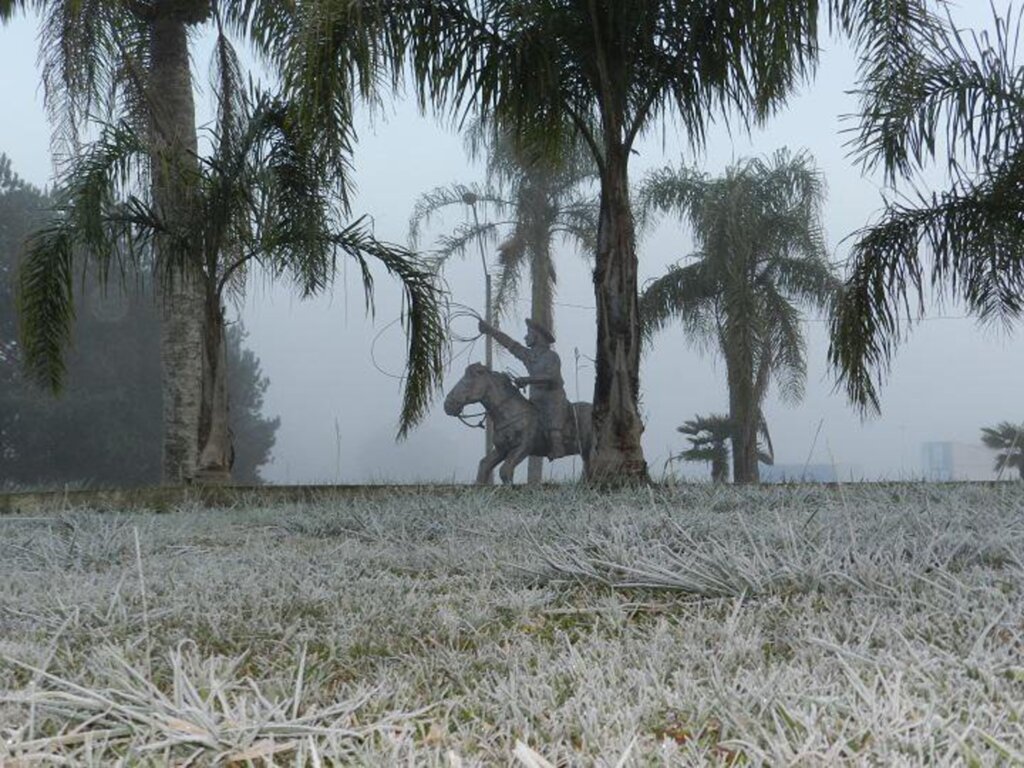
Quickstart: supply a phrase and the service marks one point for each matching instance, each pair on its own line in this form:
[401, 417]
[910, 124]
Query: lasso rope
[461, 312]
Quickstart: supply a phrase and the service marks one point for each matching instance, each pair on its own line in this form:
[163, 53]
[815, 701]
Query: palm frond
[784, 350]
[577, 222]
[331, 55]
[45, 302]
[457, 243]
[423, 316]
[1003, 435]
[685, 293]
[95, 216]
[430, 204]
[813, 282]
[670, 190]
[512, 255]
[943, 88]
[975, 237]
[8, 8]
[92, 53]
[229, 88]
[1008, 439]
[709, 438]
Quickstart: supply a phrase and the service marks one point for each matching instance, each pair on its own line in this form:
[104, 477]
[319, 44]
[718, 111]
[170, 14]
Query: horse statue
[518, 432]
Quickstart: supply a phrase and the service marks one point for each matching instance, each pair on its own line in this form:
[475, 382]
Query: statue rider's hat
[541, 331]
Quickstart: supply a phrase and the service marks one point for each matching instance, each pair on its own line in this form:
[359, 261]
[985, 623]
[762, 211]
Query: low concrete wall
[170, 497]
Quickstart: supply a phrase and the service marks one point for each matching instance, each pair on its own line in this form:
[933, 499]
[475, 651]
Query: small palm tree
[262, 196]
[1008, 439]
[709, 438]
[760, 253]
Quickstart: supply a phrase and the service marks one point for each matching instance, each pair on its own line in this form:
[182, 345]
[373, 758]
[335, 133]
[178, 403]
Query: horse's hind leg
[487, 465]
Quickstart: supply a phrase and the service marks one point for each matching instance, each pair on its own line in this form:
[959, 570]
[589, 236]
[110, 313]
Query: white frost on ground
[700, 625]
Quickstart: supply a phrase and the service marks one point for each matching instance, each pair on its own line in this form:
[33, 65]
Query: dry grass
[781, 626]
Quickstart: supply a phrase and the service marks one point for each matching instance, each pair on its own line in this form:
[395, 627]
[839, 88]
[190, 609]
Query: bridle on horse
[482, 424]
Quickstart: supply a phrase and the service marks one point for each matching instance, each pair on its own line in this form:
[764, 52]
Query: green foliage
[262, 197]
[252, 434]
[959, 94]
[599, 72]
[1008, 439]
[709, 438]
[106, 427]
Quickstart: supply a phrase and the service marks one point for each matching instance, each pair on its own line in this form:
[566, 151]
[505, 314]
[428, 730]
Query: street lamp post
[471, 199]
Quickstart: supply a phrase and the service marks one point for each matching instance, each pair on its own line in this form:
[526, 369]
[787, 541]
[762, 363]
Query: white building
[947, 460]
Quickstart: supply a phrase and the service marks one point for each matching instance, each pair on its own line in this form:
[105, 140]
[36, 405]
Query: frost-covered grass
[811, 626]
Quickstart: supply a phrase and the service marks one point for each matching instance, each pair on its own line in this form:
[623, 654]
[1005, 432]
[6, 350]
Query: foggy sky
[949, 379]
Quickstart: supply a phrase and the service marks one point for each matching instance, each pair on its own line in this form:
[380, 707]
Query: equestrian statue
[544, 425]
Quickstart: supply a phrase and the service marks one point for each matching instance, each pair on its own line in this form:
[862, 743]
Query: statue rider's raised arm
[513, 346]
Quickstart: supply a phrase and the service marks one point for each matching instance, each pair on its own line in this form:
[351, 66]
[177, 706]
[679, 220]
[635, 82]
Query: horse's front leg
[487, 465]
[508, 469]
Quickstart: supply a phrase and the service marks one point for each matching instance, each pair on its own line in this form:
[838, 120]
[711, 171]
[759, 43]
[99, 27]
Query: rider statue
[545, 379]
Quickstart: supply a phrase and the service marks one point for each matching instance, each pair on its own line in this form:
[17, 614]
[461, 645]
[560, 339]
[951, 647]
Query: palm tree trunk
[617, 457]
[216, 458]
[173, 129]
[720, 469]
[743, 414]
[542, 311]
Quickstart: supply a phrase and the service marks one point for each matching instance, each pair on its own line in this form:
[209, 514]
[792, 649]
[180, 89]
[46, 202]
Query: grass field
[782, 626]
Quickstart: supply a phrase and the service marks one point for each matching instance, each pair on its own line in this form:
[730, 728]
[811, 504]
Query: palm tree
[534, 200]
[605, 71]
[709, 438]
[958, 93]
[130, 60]
[709, 442]
[760, 252]
[1008, 439]
[259, 197]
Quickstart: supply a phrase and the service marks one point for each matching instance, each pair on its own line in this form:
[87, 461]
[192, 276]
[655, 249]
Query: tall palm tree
[533, 201]
[606, 71]
[760, 252]
[709, 438]
[131, 61]
[961, 94]
[1008, 439]
[261, 197]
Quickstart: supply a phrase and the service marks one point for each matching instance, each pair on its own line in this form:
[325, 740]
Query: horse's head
[470, 389]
